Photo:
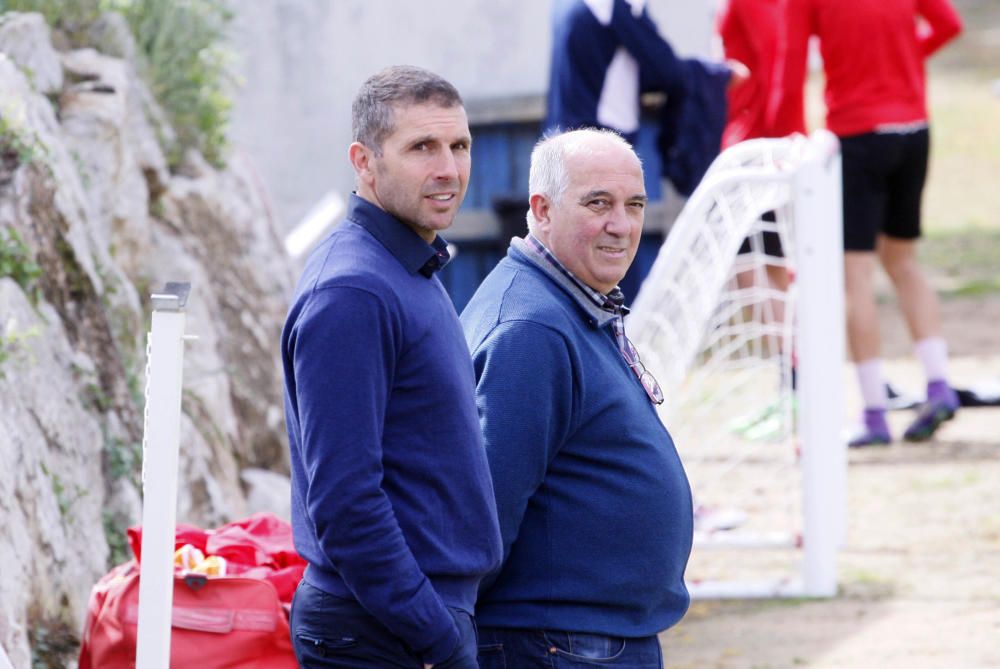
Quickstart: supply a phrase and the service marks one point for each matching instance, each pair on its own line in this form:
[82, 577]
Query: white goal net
[741, 321]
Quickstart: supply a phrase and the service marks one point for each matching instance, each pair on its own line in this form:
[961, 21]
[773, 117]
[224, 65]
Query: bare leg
[922, 310]
[778, 276]
[917, 299]
[775, 277]
[864, 341]
[863, 336]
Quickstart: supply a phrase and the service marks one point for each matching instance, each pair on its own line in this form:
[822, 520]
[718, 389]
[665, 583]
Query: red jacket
[750, 30]
[873, 56]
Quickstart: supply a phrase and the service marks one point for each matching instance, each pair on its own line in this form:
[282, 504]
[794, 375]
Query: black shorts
[884, 176]
[766, 240]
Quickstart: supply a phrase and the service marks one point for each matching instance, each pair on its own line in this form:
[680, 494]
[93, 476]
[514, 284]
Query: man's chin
[438, 222]
[614, 278]
[428, 226]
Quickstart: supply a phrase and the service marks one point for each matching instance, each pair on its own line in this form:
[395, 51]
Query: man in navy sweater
[392, 503]
[594, 505]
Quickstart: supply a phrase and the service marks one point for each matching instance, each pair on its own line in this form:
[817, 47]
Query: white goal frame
[160, 456]
[801, 176]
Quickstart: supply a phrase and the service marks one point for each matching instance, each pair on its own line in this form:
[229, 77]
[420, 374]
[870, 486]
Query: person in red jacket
[749, 31]
[873, 57]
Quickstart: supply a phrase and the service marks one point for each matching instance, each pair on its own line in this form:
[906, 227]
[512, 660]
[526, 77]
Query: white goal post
[160, 454]
[753, 373]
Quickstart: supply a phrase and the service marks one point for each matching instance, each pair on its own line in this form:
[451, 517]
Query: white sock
[872, 383]
[933, 354]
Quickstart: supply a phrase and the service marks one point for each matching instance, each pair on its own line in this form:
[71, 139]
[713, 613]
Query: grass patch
[123, 460]
[65, 498]
[862, 584]
[933, 483]
[963, 262]
[187, 67]
[12, 343]
[17, 146]
[119, 550]
[71, 16]
[975, 288]
[54, 644]
[18, 262]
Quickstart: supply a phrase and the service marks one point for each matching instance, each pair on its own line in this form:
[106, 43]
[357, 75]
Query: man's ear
[541, 209]
[362, 158]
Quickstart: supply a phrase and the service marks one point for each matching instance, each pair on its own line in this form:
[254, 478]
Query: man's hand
[739, 73]
[428, 666]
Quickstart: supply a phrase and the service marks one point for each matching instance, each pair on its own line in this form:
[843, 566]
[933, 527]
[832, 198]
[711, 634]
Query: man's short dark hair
[372, 111]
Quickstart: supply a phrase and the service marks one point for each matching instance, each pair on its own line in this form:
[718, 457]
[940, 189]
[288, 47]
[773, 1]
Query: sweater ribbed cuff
[442, 647]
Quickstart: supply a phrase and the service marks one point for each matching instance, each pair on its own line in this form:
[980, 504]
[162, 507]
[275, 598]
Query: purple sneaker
[941, 404]
[874, 431]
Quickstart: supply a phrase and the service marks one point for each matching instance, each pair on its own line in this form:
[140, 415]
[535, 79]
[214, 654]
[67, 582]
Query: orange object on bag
[188, 557]
[217, 622]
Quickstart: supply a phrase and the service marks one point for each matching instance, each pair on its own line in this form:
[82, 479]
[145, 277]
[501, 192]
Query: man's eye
[638, 204]
[460, 146]
[598, 204]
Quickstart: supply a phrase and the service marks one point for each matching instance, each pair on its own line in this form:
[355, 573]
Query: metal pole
[161, 443]
[820, 345]
[4, 660]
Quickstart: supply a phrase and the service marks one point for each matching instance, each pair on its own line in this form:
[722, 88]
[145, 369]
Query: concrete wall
[301, 61]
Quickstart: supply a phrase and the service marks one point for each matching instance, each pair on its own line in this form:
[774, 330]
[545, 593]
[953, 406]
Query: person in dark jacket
[392, 503]
[606, 54]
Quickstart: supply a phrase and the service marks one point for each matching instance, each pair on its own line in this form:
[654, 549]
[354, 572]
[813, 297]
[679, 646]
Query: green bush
[70, 16]
[13, 344]
[187, 67]
[17, 262]
[181, 44]
[17, 146]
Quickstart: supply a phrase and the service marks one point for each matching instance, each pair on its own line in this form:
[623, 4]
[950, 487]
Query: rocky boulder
[92, 221]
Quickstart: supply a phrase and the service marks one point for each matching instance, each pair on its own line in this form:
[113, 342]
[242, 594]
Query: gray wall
[301, 62]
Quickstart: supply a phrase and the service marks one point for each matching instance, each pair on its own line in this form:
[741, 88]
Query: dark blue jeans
[330, 631]
[546, 649]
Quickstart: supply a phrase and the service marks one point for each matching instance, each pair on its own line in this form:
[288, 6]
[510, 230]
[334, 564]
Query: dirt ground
[920, 571]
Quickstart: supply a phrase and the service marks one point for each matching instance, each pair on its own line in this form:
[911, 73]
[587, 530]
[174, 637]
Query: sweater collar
[602, 309]
[412, 252]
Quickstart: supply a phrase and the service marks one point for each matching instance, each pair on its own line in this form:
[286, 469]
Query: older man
[594, 505]
[391, 497]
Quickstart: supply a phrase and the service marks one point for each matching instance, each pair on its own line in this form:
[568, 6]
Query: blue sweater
[594, 505]
[391, 496]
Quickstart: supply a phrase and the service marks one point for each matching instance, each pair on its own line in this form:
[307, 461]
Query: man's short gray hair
[372, 111]
[548, 175]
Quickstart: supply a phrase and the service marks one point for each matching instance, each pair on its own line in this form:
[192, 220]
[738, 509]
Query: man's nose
[446, 166]
[617, 222]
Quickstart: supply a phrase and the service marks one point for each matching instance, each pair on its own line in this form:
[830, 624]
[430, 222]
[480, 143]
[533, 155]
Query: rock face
[92, 221]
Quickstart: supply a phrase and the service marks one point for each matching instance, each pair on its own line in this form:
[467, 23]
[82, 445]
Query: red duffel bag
[218, 622]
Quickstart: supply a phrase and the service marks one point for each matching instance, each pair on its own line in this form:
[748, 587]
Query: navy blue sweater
[391, 496]
[594, 505]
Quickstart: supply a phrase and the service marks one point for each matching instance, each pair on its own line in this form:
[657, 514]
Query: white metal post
[4, 660]
[161, 444]
[820, 348]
